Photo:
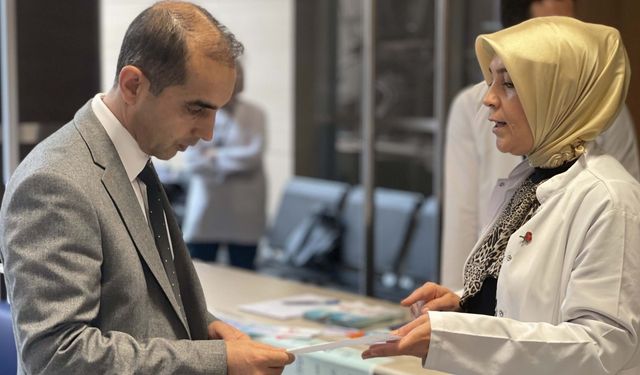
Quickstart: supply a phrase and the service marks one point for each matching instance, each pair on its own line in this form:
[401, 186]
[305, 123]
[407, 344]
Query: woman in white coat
[551, 287]
[226, 200]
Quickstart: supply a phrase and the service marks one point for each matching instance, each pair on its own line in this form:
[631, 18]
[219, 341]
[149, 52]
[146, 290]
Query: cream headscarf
[571, 77]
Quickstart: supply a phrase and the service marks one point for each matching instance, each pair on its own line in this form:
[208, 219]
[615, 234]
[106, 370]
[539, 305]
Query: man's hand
[219, 330]
[245, 356]
[250, 357]
[435, 297]
[415, 339]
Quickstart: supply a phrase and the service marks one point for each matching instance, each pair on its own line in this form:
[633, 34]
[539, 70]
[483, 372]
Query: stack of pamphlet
[354, 314]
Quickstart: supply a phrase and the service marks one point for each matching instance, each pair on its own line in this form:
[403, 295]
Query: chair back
[394, 210]
[8, 356]
[422, 260]
[302, 197]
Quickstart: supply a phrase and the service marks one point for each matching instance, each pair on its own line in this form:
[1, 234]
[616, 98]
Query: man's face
[545, 8]
[181, 115]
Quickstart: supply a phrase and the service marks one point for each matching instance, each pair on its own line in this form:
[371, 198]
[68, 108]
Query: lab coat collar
[559, 182]
[550, 187]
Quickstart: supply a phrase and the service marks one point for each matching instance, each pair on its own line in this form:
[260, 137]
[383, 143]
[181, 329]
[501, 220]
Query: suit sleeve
[52, 245]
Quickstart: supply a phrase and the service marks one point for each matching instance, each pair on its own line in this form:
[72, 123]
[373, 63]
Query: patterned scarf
[487, 260]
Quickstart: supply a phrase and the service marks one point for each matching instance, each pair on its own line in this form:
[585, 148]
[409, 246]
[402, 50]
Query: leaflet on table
[288, 307]
[354, 314]
[256, 329]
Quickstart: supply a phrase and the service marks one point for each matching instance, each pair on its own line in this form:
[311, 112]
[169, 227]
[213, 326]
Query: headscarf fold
[571, 77]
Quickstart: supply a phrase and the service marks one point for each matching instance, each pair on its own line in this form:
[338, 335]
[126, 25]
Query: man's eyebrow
[202, 103]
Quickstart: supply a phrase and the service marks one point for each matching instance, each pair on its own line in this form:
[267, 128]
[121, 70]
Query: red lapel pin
[527, 237]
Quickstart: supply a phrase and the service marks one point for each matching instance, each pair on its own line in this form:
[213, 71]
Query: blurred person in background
[226, 198]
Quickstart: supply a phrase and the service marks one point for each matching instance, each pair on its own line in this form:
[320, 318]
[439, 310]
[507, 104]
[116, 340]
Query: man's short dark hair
[158, 42]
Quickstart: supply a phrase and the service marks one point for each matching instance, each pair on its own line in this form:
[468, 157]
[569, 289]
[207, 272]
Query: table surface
[226, 288]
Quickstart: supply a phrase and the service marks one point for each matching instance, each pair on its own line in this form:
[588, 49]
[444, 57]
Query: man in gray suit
[92, 289]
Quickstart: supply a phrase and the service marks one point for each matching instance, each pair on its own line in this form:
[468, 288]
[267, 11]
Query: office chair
[421, 262]
[8, 356]
[394, 215]
[303, 196]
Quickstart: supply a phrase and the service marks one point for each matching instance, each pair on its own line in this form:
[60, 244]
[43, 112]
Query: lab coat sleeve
[460, 226]
[620, 142]
[598, 332]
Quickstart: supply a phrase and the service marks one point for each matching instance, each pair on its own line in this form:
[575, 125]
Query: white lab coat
[226, 199]
[568, 301]
[473, 164]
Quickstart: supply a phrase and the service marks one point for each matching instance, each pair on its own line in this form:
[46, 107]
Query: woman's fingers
[415, 342]
[424, 293]
[432, 296]
[407, 328]
[447, 302]
[382, 350]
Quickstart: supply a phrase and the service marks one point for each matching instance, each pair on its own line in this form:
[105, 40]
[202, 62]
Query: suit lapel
[118, 186]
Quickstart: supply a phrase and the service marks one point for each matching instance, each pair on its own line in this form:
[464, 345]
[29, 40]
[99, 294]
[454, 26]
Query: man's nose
[206, 129]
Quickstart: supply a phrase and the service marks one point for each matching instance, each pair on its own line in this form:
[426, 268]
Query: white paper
[365, 340]
[341, 361]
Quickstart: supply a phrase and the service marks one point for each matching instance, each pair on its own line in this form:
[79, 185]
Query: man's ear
[132, 83]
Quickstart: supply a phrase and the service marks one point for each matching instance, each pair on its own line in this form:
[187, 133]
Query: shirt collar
[132, 157]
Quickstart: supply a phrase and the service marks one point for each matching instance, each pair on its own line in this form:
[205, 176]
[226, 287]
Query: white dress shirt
[132, 157]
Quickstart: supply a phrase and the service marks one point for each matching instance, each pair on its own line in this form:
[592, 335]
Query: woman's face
[510, 125]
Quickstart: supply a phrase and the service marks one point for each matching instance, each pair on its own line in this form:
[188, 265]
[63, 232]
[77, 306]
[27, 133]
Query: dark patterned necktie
[158, 226]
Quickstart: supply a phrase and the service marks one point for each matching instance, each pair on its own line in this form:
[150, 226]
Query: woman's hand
[415, 338]
[434, 297]
[416, 335]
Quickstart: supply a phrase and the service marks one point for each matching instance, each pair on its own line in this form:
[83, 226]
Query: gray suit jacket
[88, 290]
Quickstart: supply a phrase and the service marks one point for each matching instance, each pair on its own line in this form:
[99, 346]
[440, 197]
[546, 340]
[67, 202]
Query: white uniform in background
[226, 201]
[473, 164]
[570, 295]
